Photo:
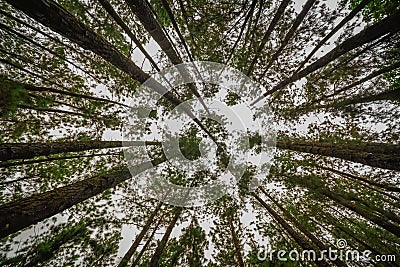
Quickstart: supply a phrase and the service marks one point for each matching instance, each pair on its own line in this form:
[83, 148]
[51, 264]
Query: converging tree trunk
[139, 237]
[236, 242]
[114, 15]
[299, 19]
[381, 155]
[299, 239]
[279, 13]
[24, 212]
[385, 26]
[9, 151]
[346, 19]
[143, 12]
[154, 261]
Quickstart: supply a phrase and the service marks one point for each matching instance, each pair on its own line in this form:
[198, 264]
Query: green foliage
[377, 9]
[12, 94]
[161, 13]
[190, 146]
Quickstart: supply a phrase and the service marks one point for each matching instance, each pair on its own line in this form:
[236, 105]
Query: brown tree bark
[302, 229]
[392, 95]
[25, 162]
[149, 239]
[114, 15]
[367, 214]
[385, 26]
[34, 88]
[9, 151]
[143, 12]
[279, 13]
[346, 19]
[362, 179]
[370, 76]
[299, 239]
[139, 237]
[24, 212]
[154, 261]
[299, 19]
[236, 242]
[381, 155]
[249, 14]
[58, 19]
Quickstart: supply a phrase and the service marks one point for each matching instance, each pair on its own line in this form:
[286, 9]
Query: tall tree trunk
[346, 19]
[149, 239]
[250, 13]
[302, 229]
[370, 76]
[53, 110]
[367, 214]
[139, 237]
[392, 95]
[236, 242]
[25, 162]
[279, 13]
[34, 88]
[143, 12]
[29, 40]
[154, 262]
[51, 37]
[114, 15]
[24, 212]
[299, 19]
[299, 239]
[176, 27]
[381, 155]
[385, 26]
[58, 19]
[386, 187]
[9, 151]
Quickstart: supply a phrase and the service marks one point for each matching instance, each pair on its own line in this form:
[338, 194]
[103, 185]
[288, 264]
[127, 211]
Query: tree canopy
[72, 71]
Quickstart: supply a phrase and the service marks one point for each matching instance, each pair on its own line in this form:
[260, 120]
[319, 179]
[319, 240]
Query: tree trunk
[9, 151]
[161, 245]
[381, 155]
[149, 239]
[25, 162]
[143, 12]
[114, 15]
[24, 212]
[299, 239]
[392, 95]
[53, 110]
[387, 25]
[374, 74]
[249, 14]
[349, 17]
[383, 222]
[236, 243]
[176, 27]
[55, 17]
[10, 30]
[362, 179]
[51, 37]
[302, 229]
[299, 19]
[138, 239]
[279, 13]
[33, 88]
